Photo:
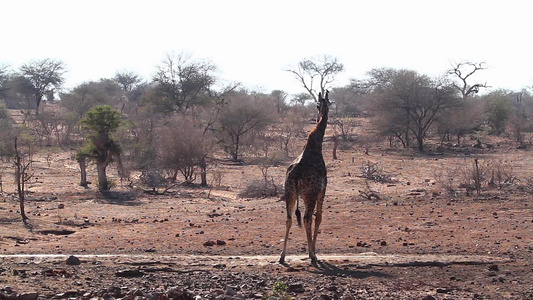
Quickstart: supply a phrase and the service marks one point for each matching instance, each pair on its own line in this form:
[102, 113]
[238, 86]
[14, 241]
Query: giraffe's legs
[283, 252]
[290, 199]
[318, 217]
[308, 222]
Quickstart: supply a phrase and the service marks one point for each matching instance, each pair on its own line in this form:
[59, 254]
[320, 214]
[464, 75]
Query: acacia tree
[499, 106]
[242, 115]
[410, 103]
[101, 122]
[127, 80]
[45, 76]
[89, 94]
[464, 119]
[132, 85]
[18, 93]
[520, 120]
[181, 82]
[317, 73]
[4, 76]
[6, 133]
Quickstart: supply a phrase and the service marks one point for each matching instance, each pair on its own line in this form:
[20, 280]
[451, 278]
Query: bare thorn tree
[321, 71]
[463, 71]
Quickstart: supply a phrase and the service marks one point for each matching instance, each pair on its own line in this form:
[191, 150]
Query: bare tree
[181, 147]
[23, 174]
[181, 82]
[46, 76]
[291, 126]
[464, 71]
[317, 73]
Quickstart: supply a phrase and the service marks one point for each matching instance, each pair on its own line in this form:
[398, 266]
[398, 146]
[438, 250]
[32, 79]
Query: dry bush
[181, 147]
[472, 176]
[216, 177]
[475, 175]
[529, 185]
[153, 179]
[373, 172]
[502, 174]
[468, 175]
[368, 194]
[445, 179]
[265, 187]
[260, 189]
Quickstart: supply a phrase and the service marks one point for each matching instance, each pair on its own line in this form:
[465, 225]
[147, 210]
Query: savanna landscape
[172, 189]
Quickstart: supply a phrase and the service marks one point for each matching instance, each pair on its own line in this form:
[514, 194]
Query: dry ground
[418, 241]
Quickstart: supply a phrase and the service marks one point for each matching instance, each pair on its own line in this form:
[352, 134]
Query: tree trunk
[335, 144]
[83, 173]
[102, 178]
[19, 179]
[203, 171]
[236, 152]
[420, 142]
[174, 176]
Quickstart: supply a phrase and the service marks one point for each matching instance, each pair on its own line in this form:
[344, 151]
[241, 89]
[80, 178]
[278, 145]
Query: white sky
[253, 42]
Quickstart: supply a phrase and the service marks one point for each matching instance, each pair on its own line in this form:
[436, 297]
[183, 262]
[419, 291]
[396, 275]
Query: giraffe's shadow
[329, 269]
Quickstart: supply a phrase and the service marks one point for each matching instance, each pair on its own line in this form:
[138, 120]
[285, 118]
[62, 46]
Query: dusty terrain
[416, 242]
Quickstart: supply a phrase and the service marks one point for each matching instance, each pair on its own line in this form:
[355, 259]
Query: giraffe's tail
[297, 211]
[298, 217]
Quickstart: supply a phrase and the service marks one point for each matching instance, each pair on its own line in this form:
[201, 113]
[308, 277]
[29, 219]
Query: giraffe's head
[323, 104]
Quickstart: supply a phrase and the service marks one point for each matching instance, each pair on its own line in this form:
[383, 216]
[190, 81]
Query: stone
[129, 273]
[221, 242]
[177, 293]
[209, 244]
[291, 269]
[296, 288]
[230, 291]
[73, 261]
[28, 296]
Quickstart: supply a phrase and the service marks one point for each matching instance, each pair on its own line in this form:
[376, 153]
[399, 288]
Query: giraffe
[307, 178]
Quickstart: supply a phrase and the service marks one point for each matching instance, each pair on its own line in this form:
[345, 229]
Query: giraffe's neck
[316, 137]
